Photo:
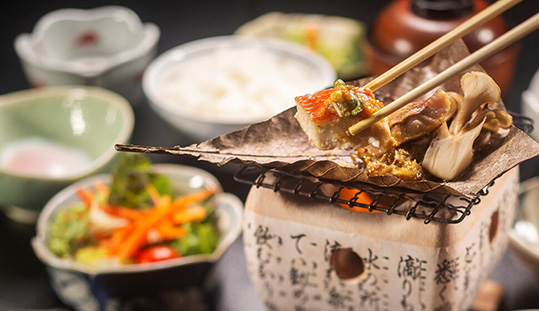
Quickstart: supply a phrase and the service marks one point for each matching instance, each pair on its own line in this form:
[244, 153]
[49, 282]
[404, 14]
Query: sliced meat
[419, 118]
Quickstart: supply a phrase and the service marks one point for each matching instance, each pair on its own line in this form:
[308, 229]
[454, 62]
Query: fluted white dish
[107, 46]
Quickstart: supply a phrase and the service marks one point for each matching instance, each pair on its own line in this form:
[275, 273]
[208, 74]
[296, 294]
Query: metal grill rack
[429, 207]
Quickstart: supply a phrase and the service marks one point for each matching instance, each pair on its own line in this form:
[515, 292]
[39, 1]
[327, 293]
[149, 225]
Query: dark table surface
[24, 283]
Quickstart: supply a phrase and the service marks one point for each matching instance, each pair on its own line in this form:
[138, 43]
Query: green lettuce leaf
[68, 230]
[130, 179]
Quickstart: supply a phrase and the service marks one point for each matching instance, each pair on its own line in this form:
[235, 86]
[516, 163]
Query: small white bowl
[201, 87]
[524, 237]
[107, 47]
[84, 288]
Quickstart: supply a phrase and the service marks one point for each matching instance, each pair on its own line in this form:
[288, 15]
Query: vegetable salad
[139, 218]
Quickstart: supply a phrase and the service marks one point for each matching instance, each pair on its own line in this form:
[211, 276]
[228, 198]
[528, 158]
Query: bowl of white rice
[213, 86]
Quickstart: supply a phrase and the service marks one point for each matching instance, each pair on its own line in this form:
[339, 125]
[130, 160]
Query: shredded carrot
[86, 196]
[164, 209]
[154, 194]
[117, 237]
[101, 235]
[164, 202]
[127, 213]
[311, 37]
[167, 230]
[102, 188]
[192, 198]
[186, 215]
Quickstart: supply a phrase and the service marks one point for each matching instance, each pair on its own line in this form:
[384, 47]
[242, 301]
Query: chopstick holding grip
[515, 34]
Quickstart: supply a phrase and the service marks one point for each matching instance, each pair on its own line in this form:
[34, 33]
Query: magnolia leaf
[279, 143]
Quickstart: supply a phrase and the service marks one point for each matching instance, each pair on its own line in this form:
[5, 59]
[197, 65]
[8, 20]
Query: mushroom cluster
[476, 119]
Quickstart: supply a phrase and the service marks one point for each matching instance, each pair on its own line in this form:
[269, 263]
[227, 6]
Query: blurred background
[24, 284]
[181, 22]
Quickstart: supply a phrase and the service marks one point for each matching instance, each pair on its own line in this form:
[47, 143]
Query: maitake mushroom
[451, 151]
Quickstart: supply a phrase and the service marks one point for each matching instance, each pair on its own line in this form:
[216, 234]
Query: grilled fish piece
[326, 116]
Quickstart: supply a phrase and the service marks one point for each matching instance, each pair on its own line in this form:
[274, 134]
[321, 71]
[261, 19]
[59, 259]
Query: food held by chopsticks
[452, 150]
[439, 132]
[325, 116]
[139, 218]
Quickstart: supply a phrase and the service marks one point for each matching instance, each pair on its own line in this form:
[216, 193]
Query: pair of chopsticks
[488, 50]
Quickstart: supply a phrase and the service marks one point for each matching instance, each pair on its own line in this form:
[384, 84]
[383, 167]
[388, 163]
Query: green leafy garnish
[201, 238]
[130, 180]
[69, 228]
[91, 255]
[344, 101]
[339, 82]
[359, 106]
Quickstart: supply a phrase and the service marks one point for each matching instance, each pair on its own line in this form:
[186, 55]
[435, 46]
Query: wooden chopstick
[528, 26]
[477, 20]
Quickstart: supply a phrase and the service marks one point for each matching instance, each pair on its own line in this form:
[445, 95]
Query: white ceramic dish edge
[25, 43]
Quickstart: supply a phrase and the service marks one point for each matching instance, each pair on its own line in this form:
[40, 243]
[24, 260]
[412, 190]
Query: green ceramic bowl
[52, 137]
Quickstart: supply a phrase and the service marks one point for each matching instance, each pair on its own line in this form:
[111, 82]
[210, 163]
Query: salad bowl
[87, 288]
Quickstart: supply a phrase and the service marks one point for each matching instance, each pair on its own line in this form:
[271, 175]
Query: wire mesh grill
[429, 207]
